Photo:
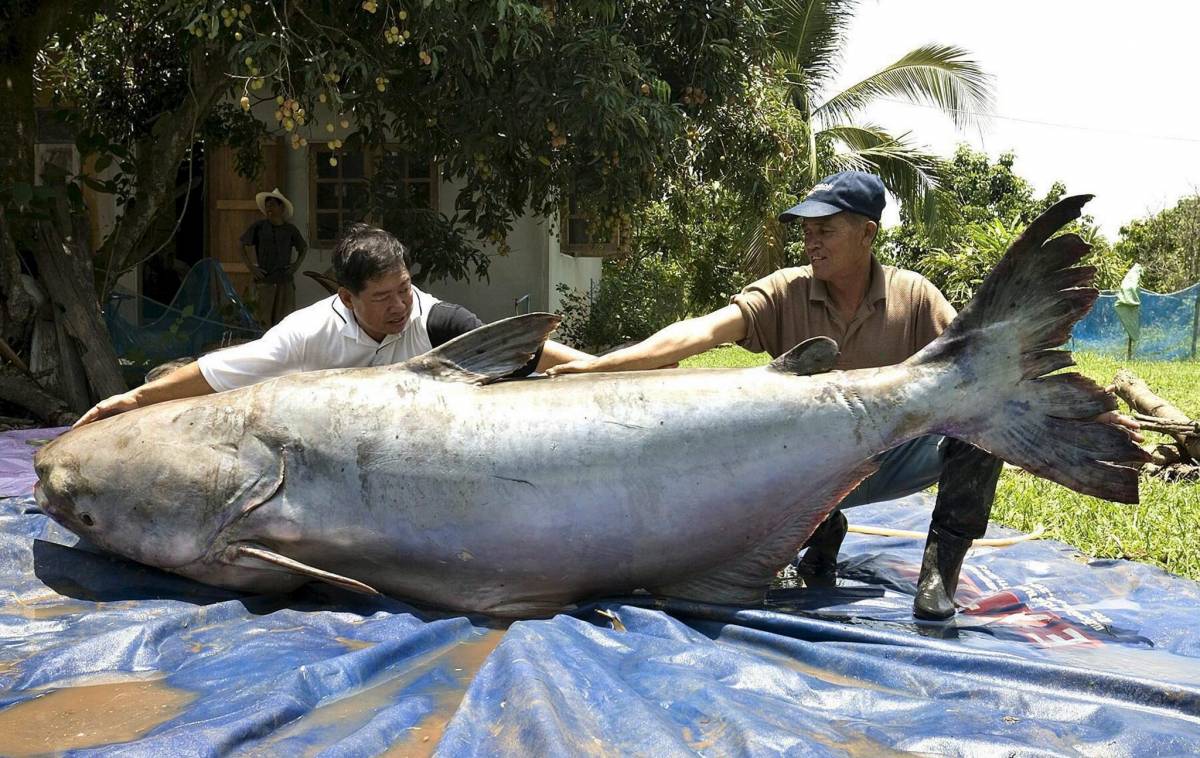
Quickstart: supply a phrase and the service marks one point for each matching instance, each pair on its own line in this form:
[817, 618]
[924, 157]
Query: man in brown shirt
[879, 315]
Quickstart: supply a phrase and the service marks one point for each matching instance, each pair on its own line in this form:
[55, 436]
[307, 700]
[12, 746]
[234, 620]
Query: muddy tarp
[1055, 655]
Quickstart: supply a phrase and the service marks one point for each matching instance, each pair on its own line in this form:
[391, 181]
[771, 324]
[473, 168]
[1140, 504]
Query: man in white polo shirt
[376, 318]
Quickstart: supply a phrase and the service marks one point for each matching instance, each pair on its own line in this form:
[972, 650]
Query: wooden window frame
[372, 159]
[611, 249]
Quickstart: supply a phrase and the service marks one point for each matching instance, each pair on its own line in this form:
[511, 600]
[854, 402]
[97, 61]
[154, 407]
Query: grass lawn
[1161, 530]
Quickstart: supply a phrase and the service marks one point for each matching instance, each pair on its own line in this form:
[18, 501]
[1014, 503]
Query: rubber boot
[819, 564]
[940, 566]
[966, 490]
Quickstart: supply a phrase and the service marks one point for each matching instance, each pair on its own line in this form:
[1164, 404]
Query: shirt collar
[876, 290]
[351, 330]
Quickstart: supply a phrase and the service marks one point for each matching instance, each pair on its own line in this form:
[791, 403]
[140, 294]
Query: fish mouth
[43, 500]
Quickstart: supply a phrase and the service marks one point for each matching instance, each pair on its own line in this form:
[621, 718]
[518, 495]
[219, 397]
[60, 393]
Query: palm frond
[762, 245]
[910, 173]
[811, 35]
[943, 76]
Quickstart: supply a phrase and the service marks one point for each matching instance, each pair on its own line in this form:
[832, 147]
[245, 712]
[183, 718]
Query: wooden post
[1195, 321]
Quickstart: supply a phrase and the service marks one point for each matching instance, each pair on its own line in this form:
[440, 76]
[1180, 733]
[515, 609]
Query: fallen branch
[1156, 414]
[22, 391]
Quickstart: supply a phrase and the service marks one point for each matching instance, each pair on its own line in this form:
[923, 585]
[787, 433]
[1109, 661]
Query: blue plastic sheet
[205, 314]
[1167, 327]
[1054, 655]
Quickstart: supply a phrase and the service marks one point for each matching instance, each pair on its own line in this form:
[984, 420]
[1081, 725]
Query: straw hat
[261, 201]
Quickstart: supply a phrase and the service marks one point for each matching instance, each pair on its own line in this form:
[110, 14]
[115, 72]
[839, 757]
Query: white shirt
[324, 335]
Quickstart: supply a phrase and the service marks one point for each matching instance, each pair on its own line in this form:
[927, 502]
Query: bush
[634, 298]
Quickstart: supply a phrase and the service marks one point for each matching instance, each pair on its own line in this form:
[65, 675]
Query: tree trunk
[65, 269]
[157, 161]
[16, 306]
[20, 390]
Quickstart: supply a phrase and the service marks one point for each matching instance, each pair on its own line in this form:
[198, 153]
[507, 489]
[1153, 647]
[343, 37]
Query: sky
[1101, 95]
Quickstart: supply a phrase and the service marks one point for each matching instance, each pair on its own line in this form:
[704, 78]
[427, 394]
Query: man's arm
[670, 344]
[249, 255]
[556, 353]
[301, 246]
[183, 382]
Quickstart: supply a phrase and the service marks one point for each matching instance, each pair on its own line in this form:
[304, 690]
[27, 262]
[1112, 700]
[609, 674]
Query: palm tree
[807, 37]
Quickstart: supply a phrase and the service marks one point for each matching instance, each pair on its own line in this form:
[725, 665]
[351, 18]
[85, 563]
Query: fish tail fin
[1002, 352]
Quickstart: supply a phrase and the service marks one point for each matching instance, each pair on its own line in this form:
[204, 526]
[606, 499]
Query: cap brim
[808, 209]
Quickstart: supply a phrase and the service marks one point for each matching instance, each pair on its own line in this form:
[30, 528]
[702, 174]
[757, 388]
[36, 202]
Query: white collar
[351, 330]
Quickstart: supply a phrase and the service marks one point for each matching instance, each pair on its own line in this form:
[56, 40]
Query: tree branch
[159, 156]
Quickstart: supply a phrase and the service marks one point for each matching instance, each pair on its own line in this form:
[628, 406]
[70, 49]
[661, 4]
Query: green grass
[1161, 530]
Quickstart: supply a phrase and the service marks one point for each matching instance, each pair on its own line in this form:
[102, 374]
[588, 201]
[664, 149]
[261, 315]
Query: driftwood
[19, 389]
[1158, 415]
[1175, 462]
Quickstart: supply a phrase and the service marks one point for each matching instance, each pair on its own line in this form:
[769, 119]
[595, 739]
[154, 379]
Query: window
[578, 239]
[340, 194]
[416, 177]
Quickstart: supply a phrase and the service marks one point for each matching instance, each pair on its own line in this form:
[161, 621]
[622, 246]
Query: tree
[1167, 244]
[989, 207]
[526, 103]
[807, 38]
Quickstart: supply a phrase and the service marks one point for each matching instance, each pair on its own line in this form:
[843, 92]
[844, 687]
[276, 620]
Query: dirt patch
[89, 715]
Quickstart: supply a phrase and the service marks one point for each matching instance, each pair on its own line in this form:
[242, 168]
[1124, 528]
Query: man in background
[267, 247]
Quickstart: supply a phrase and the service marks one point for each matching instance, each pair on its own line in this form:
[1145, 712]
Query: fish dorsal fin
[243, 551]
[491, 352]
[812, 356]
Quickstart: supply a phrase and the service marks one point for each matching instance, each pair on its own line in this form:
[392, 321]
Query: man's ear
[871, 229]
[344, 295]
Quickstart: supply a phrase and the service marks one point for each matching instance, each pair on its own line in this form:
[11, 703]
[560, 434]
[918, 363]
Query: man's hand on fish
[126, 401]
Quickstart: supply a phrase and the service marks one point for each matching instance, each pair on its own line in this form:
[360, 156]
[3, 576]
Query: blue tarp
[1055, 655]
[206, 313]
[1167, 326]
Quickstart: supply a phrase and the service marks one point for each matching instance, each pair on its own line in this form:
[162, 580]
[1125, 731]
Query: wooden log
[20, 390]
[1143, 400]
[66, 271]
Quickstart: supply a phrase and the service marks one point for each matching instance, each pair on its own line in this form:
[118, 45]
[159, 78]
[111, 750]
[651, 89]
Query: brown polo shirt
[901, 313]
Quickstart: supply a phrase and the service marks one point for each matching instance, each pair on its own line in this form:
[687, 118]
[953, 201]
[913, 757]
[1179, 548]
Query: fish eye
[87, 519]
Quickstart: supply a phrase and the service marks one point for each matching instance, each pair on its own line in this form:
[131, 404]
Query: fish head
[130, 491]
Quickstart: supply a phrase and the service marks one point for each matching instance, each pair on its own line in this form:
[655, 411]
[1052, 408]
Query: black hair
[365, 252]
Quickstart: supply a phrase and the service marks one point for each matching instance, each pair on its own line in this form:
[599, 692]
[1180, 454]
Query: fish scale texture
[1053, 656]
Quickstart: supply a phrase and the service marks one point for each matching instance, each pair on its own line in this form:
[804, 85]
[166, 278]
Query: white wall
[576, 273]
[522, 272]
[533, 267]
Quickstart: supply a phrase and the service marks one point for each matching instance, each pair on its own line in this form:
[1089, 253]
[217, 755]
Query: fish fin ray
[491, 352]
[812, 356]
[745, 579]
[1002, 347]
[297, 567]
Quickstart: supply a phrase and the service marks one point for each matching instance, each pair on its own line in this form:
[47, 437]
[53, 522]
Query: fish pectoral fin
[812, 356]
[296, 567]
[491, 352]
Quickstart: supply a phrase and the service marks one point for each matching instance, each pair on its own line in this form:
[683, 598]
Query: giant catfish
[431, 481]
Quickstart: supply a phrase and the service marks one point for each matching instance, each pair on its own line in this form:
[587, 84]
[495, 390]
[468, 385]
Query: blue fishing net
[1168, 327]
[205, 314]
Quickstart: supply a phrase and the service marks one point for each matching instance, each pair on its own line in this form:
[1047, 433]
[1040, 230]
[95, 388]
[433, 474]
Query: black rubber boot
[940, 565]
[819, 564]
[966, 490]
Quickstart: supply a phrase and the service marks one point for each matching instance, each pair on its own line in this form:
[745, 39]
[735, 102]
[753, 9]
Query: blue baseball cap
[854, 191]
